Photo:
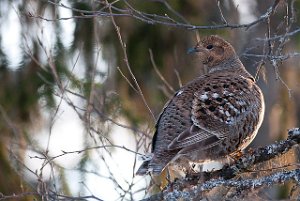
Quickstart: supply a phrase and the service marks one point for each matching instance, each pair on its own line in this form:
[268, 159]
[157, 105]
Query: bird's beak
[196, 49]
[191, 50]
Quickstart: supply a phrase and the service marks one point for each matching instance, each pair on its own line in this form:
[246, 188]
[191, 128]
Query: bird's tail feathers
[144, 168]
[146, 157]
[150, 166]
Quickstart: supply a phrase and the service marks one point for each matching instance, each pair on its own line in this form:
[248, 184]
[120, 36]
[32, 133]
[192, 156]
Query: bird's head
[213, 50]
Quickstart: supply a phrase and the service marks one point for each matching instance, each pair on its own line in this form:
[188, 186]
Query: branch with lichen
[196, 186]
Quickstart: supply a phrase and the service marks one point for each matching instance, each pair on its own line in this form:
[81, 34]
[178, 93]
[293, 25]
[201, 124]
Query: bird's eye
[209, 47]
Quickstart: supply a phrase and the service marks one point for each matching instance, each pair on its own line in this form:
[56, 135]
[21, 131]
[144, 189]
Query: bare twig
[152, 18]
[123, 45]
[130, 84]
[178, 78]
[221, 13]
[18, 196]
[159, 74]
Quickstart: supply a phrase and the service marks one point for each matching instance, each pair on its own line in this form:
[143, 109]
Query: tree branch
[193, 186]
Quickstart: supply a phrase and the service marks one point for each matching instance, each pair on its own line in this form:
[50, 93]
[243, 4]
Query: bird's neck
[233, 64]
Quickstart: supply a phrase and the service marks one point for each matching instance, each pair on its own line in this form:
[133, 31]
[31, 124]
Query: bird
[213, 116]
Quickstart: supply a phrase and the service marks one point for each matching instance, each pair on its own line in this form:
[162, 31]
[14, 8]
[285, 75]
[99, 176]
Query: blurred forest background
[83, 81]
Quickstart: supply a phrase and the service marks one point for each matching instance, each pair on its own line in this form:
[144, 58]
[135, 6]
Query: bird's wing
[217, 109]
[193, 136]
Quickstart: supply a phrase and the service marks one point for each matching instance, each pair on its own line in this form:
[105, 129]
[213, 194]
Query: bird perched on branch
[213, 116]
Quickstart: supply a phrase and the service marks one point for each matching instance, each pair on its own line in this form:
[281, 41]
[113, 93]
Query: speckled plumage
[211, 117]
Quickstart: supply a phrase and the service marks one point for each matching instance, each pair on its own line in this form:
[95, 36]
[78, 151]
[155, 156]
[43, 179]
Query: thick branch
[190, 187]
[240, 185]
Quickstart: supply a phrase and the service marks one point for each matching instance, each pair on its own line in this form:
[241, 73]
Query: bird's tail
[143, 169]
[153, 165]
[148, 167]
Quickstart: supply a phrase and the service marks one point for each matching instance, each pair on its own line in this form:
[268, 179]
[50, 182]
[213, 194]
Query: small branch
[178, 78]
[281, 37]
[123, 44]
[150, 18]
[159, 74]
[49, 159]
[20, 196]
[129, 83]
[221, 13]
